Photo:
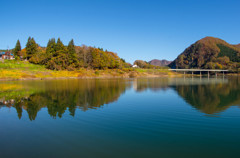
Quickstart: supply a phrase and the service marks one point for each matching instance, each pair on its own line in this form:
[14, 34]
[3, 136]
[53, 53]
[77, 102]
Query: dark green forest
[228, 52]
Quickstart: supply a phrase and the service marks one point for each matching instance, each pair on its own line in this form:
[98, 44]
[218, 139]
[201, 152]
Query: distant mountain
[209, 53]
[237, 45]
[157, 62]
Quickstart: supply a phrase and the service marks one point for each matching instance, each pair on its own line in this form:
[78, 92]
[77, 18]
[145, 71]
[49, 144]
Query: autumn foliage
[57, 56]
[209, 53]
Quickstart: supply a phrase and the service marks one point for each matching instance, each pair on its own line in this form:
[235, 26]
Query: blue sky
[135, 29]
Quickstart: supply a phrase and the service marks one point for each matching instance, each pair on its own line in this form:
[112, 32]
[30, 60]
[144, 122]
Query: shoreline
[87, 77]
[23, 70]
[110, 77]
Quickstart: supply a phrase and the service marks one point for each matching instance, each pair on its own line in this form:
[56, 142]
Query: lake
[121, 118]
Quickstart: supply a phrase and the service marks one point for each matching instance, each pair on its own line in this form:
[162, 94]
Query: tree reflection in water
[209, 96]
[60, 95]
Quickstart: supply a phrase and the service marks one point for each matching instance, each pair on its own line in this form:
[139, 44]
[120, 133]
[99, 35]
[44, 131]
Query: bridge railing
[200, 71]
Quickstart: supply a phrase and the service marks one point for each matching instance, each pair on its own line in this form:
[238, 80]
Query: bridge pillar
[208, 74]
[200, 73]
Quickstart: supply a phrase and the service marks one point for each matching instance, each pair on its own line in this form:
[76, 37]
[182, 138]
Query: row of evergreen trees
[56, 56]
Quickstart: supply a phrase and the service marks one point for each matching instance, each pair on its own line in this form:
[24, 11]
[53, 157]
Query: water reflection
[60, 95]
[210, 96]
[207, 95]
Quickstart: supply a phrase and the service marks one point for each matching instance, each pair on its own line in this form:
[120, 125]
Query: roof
[6, 53]
[135, 66]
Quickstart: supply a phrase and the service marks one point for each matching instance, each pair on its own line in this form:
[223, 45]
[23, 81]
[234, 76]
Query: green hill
[209, 53]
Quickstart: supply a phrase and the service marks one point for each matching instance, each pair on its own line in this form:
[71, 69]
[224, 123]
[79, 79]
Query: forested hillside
[209, 53]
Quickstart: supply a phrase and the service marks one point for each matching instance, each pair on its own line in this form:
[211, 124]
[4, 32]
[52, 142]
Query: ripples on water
[157, 117]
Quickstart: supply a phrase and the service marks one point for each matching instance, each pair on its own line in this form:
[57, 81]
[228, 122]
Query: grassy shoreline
[23, 70]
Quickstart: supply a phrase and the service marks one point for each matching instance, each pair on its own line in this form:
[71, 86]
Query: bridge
[200, 71]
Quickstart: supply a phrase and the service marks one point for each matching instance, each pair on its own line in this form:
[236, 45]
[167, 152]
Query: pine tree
[72, 56]
[59, 45]
[17, 49]
[31, 47]
[59, 59]
[71, 48]
[51, 47]
[59, 48]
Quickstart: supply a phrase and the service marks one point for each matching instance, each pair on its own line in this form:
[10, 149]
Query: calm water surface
[121, 118]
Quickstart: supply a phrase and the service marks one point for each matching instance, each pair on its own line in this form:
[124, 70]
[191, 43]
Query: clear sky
[135, 29]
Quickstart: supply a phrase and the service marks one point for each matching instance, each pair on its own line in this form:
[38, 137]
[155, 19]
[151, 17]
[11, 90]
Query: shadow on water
[209, 96]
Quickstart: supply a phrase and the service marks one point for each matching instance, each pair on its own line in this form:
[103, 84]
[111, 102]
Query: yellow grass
[26, 70]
